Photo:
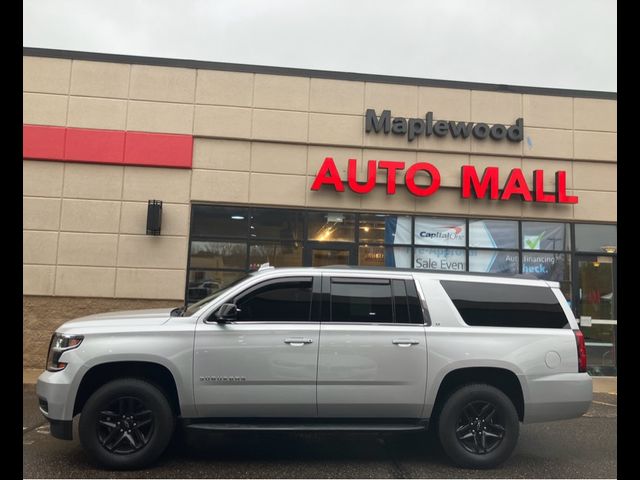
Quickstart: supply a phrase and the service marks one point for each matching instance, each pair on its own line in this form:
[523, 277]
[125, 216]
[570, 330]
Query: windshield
[193, 308]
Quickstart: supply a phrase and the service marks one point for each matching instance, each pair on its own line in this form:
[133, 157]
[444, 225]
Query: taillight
[582, 351]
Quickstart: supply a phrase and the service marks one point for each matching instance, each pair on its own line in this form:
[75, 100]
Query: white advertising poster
[442, 232]
[447, 259]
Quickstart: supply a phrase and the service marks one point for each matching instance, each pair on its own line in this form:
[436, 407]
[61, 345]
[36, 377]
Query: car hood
[123, 319]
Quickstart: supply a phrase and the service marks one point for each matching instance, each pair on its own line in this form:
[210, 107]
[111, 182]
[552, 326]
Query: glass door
[595, 302]
[320, 254]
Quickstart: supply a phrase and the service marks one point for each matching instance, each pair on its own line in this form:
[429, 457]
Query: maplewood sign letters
[473, 185]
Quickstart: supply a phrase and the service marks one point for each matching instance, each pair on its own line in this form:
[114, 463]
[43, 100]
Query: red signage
[486, 185]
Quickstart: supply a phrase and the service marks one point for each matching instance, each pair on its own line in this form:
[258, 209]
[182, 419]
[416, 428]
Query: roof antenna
[265, 266]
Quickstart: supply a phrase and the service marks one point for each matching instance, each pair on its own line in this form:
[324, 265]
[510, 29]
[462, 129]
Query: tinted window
[218, 255]
[400, 301]
[545, 236]
[280, 301]
[276, 224]
[596, 238]
[331, 227]
[209, 220]
[415, 309]
[361, 301]
[499, 305]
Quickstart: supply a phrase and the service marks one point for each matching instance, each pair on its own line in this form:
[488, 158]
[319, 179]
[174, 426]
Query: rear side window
[361, 301]
[500, 305]
[374, 300]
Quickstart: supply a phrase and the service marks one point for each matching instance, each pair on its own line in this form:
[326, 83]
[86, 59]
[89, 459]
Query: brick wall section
[42, 315]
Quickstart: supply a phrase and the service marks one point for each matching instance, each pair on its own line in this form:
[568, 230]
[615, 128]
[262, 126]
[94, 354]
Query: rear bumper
[557, 397]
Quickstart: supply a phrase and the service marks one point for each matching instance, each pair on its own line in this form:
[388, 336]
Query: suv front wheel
[126, 424]
[478, 426]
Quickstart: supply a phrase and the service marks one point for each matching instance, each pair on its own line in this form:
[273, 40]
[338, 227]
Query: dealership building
[149, 182]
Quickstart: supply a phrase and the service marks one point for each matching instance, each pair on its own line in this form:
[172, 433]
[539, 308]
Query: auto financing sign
[489, 182]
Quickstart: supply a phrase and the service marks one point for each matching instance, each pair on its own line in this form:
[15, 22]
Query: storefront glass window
[545, 236]
[550, 266]
[445, 232]
[447, 259]
[596, 238]
[216, 221]
[380, 256]
[389, 229]
[276, 254]
[493, 233]
[494, 261]
[266, 223]
[203, 283]
[331, 227]
[218, 255]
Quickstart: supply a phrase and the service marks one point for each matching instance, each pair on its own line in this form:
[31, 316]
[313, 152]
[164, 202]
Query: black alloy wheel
[125, 426]
[478, 426]
[479, 429]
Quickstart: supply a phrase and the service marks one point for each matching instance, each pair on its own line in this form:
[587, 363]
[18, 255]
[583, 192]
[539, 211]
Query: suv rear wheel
[478, 426]
[126, 424]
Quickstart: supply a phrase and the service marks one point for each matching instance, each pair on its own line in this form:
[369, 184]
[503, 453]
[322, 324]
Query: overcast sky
[544, 43]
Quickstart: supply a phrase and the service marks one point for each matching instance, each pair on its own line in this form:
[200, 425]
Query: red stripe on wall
[107, 146]
[94, 146]
[158, 148]
[43, 142]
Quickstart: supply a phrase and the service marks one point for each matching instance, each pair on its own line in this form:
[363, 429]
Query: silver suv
[349, 349]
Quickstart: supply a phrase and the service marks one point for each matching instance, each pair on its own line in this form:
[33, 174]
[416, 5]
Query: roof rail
[529, 276]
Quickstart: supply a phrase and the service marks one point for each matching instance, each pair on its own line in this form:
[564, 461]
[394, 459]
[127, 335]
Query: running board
[302, 427]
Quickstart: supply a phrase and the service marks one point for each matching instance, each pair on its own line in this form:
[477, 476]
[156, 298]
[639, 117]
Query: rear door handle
[297, 342]
[405, 342]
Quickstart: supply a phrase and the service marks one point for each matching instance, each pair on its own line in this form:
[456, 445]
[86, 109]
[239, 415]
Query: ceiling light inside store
[237, 217]
[608, 248]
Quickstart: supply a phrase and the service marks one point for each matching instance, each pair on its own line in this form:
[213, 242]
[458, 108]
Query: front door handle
[297, 342]
[405, 342]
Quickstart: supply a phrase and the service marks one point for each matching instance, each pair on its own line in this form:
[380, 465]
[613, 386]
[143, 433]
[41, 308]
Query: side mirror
[228, 312]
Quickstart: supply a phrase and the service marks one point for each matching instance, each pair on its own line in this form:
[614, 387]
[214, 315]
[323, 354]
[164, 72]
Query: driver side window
[286, 300]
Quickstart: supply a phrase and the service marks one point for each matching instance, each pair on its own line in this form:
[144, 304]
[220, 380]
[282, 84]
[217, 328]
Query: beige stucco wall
[260, 139]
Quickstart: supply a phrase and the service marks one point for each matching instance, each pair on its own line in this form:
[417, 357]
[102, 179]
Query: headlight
[60, 343]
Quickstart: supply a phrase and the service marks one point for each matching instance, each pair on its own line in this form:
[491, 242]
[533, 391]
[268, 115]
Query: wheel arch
[155, 373]
[501, 378]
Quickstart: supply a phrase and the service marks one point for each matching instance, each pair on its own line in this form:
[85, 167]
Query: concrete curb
[600, 384]
[605, 385]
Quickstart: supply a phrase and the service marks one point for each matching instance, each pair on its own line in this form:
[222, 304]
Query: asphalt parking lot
[582, 448]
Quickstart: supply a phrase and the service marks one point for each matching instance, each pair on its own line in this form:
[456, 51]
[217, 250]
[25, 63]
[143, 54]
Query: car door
[264, 364]
[373, 356]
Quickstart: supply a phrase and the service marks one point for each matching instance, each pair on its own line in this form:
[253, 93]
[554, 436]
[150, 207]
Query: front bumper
[56, 399]
[62, 429]
[557, 397]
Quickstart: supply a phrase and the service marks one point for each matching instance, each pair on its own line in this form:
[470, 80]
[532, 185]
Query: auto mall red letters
[490, 183]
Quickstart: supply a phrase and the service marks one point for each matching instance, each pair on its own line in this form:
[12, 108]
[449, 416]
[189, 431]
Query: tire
[457, 424]
[135, 440]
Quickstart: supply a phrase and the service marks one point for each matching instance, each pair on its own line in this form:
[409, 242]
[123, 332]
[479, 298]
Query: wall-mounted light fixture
[154, 217]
